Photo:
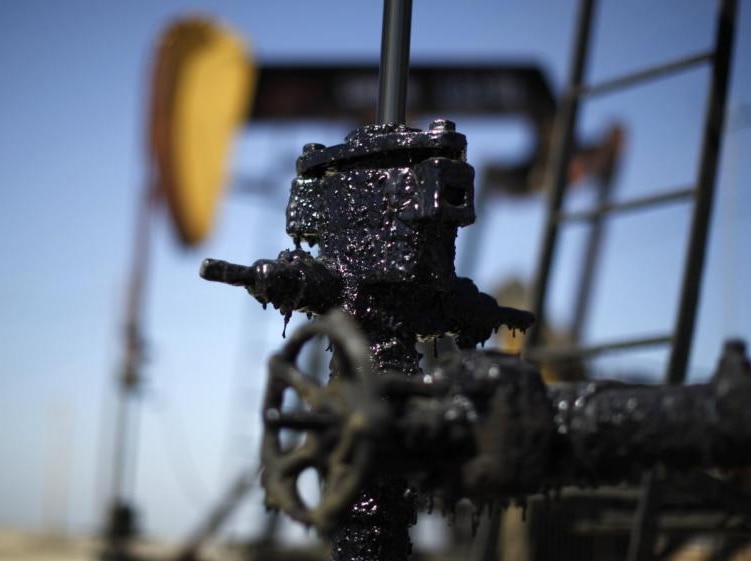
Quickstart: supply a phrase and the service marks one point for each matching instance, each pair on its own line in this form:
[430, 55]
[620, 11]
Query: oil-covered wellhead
[384, 208]
[385, 205]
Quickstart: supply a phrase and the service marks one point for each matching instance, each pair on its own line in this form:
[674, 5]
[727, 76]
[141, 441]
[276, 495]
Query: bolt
[312, 147]
[442, 125]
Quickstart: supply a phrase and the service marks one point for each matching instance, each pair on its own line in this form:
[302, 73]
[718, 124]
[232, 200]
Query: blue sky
[72, 162]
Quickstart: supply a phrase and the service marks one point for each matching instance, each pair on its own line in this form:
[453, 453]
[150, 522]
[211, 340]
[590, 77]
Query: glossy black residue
[611, 432]
[383, 208]
[483, 425]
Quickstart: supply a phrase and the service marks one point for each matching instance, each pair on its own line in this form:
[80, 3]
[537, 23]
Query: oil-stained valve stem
[298, 420]
[217, 270]
[294, 281]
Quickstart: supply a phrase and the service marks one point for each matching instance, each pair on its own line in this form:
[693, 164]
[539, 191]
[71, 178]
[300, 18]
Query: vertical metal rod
[395, 39]
[710, 153]
[129, 379]
[557, 170]
[643, 532]
[641, 543]
[218, 515]
[120, 446]
[591, 258]
[487, 544]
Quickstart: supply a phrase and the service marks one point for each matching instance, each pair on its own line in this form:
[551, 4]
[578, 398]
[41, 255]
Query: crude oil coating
[485, 426]
[607, 431]
[384, 208]
[482, 425]
[376, 146]
[377, 527]
[528, 438]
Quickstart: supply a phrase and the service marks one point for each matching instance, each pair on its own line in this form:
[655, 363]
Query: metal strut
[701, 195]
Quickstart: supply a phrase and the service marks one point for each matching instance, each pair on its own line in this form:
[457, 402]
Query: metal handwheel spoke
[333, 418]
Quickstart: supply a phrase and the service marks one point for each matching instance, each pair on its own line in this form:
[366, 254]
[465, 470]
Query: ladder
[644, 530]
[701, 194]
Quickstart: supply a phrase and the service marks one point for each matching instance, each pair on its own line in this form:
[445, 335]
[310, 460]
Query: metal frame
[643, 532]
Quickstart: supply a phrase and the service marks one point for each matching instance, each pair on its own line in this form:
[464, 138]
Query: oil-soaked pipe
[528, 437]
[611, 432]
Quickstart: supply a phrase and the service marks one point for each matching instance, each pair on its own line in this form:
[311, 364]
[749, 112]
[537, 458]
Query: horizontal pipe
[625, 206]
[643, 75]
[552, 354]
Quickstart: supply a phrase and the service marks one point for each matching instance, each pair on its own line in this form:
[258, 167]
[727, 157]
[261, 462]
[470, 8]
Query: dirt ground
[16, 545]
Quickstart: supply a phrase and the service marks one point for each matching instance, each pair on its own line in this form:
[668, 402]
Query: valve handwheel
[337, 421]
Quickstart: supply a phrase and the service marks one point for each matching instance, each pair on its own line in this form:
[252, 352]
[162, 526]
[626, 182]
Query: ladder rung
[633, 204]
[558, 354]
[646, 74]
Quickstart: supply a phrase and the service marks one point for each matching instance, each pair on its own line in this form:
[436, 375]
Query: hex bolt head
[442, 125]
[312, 147]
